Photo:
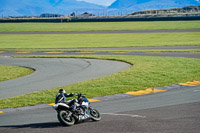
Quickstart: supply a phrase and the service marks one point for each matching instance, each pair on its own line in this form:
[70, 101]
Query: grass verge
[12, 72]
[98, 40]
[149, 50]
[93, 51]
[98, 26]
[146, 72]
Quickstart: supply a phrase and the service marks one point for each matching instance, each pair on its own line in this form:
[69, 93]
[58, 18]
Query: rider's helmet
[60, 97]
[61, 91]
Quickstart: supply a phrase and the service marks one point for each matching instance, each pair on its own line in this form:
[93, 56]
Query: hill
[138, 5]
[185, 11]
[37, 7]
[66, 7]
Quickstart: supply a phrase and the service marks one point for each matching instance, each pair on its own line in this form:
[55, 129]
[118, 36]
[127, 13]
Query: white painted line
[7, 56]
[129, 115]
[196, 90]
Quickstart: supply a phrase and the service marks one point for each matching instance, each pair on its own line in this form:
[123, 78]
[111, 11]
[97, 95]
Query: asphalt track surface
[50, 73]
[172, 111]
[162, 54]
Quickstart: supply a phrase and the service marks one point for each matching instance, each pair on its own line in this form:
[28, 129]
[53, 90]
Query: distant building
[86, 14]
[73, 14]
[172, 11]
[48, 15]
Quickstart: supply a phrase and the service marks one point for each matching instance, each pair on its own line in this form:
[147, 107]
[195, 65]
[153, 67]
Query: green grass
[147, 72]
[98, 40]
[118, 51]
[86, 50]
[146, 50]
[12, 72]
[96, 26]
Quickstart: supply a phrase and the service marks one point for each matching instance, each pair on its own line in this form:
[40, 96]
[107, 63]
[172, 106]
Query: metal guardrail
[101, 19]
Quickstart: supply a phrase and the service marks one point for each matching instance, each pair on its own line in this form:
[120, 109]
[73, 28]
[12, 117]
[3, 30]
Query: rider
[61, 97]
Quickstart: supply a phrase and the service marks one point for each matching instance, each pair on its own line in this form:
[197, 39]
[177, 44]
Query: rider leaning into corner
[62, 96]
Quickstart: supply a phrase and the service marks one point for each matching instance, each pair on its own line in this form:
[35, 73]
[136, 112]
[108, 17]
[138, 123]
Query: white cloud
[100, 2]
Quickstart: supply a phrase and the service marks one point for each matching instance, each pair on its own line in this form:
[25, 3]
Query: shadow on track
[35, 125]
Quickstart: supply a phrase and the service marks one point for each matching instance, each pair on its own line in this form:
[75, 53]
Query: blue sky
[106, 2]
[100, 2]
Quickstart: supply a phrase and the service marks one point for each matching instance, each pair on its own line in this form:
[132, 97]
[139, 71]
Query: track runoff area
[129, 116]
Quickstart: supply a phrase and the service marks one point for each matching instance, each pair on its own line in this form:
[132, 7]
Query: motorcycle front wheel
[95, 115]
[65, 118]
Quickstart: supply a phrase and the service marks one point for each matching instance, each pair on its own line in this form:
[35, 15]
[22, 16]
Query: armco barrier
[101, 19]
[135, 19]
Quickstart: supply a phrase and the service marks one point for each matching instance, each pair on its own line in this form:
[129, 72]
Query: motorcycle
[77, 111]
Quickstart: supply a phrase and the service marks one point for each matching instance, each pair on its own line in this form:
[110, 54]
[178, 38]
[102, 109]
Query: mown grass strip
[58, 51]
[12, 72]
[98, 26]
[64, 51]
[153, 50]
[98, 40]
[147, 72]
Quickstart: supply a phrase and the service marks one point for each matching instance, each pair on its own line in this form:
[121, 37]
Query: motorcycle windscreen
[85, 102]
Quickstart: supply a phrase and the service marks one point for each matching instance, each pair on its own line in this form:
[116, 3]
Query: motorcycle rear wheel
[95, 115]
[65, 119]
